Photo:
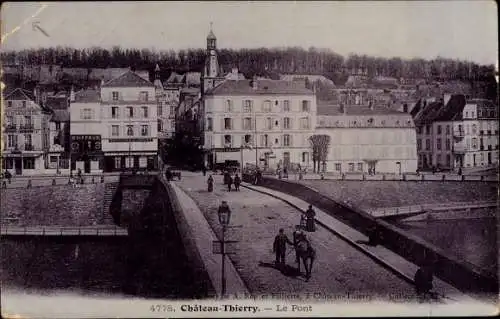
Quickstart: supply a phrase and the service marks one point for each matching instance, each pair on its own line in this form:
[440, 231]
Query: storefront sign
[86, 143]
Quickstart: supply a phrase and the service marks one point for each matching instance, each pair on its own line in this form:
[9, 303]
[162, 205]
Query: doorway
[19, 166]
[86, 166]
[398, 166]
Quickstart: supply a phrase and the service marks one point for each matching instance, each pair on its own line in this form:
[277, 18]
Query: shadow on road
[286, 270]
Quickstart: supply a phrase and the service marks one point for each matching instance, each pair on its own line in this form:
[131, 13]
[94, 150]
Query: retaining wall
[461, 274]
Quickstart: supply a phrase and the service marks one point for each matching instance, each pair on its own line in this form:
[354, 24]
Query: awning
[18, 155]
[228, 156]
[132, 153]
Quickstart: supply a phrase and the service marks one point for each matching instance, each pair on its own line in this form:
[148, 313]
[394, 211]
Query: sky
[464, 29]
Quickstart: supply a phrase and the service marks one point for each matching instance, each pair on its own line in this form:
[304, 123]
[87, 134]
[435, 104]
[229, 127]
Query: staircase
[109, 192]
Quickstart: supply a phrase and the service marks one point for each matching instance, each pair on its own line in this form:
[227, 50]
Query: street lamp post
[224, 217]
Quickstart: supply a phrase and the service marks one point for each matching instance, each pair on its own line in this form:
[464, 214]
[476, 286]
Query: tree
[319, 144]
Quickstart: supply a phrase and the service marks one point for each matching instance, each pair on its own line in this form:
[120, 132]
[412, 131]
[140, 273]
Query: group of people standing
[229, 181]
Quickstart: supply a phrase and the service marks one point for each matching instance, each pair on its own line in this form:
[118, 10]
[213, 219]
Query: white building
[166, 100]
[86, 131]
[271, 120]
[366, 138]
[26, 134]
[129, 123]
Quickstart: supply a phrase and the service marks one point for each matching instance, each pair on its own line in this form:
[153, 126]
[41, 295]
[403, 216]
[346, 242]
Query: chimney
[72, 94]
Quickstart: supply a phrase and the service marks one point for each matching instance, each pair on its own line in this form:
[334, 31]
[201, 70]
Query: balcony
[26, 128]
[10, 128]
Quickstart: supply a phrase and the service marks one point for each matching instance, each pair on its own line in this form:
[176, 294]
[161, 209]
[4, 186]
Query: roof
[20, 94]
[56, 102]
[333, 109]
[128, 79]
[429, 112]
[244, 87]
[60, 116]
[88, 96]
[310, 77]
[452, 110]
[193, 78]
[175, 78]
[211, 35]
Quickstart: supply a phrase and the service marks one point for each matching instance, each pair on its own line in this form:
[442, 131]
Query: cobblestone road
[338, 270]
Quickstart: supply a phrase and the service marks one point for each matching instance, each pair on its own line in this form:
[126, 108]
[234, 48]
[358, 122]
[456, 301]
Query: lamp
[224, 214]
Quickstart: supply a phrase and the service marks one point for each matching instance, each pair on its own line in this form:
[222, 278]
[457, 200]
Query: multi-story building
[166, 103]
[26, 134]
[273, 118]
[457, 133]
[211, 76]
[86, 131]
[367, 138]
[129, 123]
[475, 135]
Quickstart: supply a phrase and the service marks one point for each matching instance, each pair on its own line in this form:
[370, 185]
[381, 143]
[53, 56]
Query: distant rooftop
[88, 96]
[128, 79]
[274, 87]
[334, 110]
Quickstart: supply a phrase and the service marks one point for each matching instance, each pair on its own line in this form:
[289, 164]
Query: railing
[391, 211]
[61, 231]
[29, 148]
[459, 148]
[10, 128]
[27, 127]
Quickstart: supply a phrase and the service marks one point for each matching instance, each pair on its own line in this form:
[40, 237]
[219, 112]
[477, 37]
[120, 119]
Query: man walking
[237, 182]
[279, 247]
[310, 214]
[229, 182]
[296, 238]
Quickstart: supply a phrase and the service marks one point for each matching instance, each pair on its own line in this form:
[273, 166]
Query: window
[439, 129]
[118, 162]
[247, 106]
[9, 120]
[58, 126]
[144, 130]
[360, 167]
[277, 123]
[438, 144]
[145, 111]
[265, 140]
[427, 129]
[143, 161]
[86, 114]
[227, 123]
[438, 159]
[247, 123]
[227, 141]
[474, 143]
[248, 139]
[115, 130]
[466, 114]
[210, 124]
[338, 167]
[115, 95]
[286, 140]
[27, 121]
[9, 163]
[143, 96]
[269, 123]
[130, 111]
[351, 167]
[448, 160]
[427, 144]
[286, 106]
[286, 123]
[9, 103]
[114, 112]
[276, 141]
[474, 129]
[419, 130]
[129, 161]
[447, 129]
[24, 103]
[419, 144]
[304, 123]
[29, 163]
[448, 144]
[305, 106]
[305, 157]
[266, 107]
[229, 106]
[160, 128]
[27, 139]
[472, 114]
[130, 130]
[53, 159]
[12, 141]
[160, 109]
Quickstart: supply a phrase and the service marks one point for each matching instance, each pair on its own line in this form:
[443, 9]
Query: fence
[394, 177]
[389, 211]
[61, 231]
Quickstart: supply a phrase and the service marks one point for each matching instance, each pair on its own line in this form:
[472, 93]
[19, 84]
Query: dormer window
[9, 103]
[24, 103]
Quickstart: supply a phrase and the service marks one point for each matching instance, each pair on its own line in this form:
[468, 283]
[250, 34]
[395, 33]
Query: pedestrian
[285, 172]
[279, 247]
[224, 208]
[296, 238]
[168, 174]
[8, 175]
[310, 214]
[237, 182]
[204, 170]
[210, 183]
[459, 171]
[423, 281]
[226, 177]
[229, 182]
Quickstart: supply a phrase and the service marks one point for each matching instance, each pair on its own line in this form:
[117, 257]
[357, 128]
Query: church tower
[211, 72]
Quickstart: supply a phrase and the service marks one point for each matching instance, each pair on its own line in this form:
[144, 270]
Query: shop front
[86, 154]
[130, 161]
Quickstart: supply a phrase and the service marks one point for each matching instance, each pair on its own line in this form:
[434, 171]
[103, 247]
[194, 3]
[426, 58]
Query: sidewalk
[339, 269]
[381, 255]
[203, 237]
[37, 181]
